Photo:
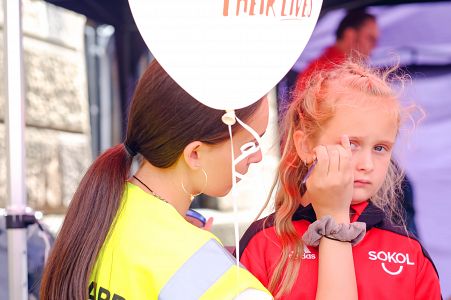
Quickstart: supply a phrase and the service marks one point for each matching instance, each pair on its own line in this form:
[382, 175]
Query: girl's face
[219, 162]
[372, 131]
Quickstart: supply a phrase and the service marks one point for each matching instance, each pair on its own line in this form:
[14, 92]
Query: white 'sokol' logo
[391, 258]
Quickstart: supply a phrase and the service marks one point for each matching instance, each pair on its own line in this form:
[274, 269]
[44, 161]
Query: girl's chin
[357, 201]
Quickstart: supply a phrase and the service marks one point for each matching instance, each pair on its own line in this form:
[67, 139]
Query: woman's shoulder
[151, 234]
[149, 223]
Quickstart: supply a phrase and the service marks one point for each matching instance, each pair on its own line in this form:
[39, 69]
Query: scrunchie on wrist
[326, 227]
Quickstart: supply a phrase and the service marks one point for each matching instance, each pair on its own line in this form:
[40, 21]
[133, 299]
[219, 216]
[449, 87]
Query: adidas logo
[307, 254]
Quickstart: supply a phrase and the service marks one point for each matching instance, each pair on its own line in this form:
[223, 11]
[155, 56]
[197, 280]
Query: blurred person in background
[357, 35]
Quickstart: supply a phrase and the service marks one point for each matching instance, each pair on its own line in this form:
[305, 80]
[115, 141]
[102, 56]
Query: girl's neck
[352, 212]
[165, 183]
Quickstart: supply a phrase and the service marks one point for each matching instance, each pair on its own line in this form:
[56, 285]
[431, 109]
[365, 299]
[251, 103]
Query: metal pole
[104, 33]
[14, 121]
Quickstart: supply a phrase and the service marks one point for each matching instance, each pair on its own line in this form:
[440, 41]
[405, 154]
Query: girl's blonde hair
[309, 111]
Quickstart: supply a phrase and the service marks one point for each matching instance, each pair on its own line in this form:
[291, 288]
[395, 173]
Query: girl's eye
[353, 146]
[380, 148]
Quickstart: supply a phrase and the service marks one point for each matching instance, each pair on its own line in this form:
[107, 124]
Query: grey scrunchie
[326, 226]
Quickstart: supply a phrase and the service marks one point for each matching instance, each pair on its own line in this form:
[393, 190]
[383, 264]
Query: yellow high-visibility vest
[152, 252]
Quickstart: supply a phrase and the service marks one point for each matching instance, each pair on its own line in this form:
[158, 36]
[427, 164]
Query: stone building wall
[56, 106]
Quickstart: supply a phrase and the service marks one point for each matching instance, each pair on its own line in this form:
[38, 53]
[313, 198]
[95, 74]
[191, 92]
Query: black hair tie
[132, 152]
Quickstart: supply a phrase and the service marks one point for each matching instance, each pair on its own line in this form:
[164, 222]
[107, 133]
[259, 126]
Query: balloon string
[235, 205]
[235, 211]
[246, 150]
[249, 129]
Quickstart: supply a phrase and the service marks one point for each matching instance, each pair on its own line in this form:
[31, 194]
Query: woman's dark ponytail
[86, 226]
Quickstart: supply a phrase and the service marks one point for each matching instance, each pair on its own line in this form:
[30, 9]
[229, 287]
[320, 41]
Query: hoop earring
[201, 191]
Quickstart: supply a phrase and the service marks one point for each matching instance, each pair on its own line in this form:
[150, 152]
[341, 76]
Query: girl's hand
[330, 186]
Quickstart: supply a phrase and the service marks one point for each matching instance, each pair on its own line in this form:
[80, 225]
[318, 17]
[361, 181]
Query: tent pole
[14, 121]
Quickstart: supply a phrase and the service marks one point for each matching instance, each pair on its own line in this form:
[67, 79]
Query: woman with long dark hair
[124, 235]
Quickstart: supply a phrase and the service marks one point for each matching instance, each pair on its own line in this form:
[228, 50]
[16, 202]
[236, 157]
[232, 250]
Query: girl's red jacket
[389, 263]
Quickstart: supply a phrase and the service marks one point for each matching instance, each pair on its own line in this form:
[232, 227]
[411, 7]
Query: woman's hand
[330, 185]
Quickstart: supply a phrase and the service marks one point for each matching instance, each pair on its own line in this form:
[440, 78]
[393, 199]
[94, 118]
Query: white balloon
[227, 57]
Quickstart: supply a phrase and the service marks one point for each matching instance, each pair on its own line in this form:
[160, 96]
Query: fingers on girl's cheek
[332, 151]
[345, 142]
[321, 152]
[323, 159]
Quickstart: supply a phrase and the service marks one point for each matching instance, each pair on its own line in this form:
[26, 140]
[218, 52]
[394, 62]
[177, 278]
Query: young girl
[389, 263]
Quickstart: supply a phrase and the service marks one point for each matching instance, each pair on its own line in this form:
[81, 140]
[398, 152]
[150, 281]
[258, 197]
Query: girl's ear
[302, 145]
[191, 155]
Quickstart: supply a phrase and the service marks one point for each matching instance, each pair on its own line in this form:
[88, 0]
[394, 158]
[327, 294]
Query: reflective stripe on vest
[198, 273]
